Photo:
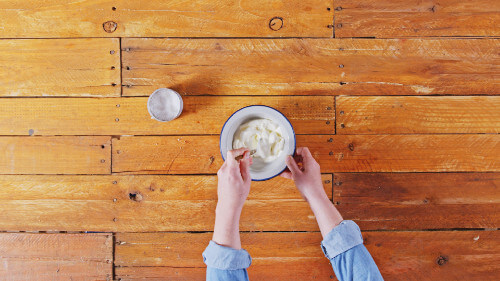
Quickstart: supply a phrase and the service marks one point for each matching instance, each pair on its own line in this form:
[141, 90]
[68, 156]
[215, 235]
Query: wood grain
[413, 18]
[55, 155]
[418, 115]
[470, 255]
[275, 256]
[165, 18]
[465, 255]
[143, 203]
[415, 153]
[296, 269]
[29, 256]
[129, 116]
[190, 154]
[311, 66]
[55, 67]
[419, 200]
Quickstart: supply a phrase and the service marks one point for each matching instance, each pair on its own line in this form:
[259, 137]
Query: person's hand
[232, 191]
[234, 180]
[305, 172]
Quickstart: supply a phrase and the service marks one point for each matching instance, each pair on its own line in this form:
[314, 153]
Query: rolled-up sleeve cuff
[225, 258]
[343, 237]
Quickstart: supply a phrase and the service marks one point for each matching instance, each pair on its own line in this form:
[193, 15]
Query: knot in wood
[135, 196]
[351, 146]
[110, 26]
[441, 260]
[276, 23]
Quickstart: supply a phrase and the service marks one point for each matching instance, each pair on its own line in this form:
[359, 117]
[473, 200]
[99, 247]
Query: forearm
[227, 227]
[326, 214]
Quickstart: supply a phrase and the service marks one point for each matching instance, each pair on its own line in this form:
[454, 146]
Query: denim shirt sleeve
[224, 263]
[350, 260]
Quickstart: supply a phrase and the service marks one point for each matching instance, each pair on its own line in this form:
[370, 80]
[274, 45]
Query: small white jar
[165, 105]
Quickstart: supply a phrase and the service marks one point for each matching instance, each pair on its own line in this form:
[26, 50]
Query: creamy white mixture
[262, 135]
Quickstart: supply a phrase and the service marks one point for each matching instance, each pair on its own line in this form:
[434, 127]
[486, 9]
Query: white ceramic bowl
[268, 170]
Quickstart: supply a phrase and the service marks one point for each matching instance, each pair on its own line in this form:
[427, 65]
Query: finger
[292, 165]
[306, 155]
[232, 154]
[245, 167]
[287, 175]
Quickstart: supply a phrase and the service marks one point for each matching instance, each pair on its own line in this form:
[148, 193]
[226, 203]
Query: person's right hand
[308, 177]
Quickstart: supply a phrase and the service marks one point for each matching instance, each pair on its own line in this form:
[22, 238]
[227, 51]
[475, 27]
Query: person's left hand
[234, 180]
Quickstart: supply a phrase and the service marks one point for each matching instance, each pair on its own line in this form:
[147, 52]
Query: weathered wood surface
[415, 153]
[190, 154]
[418, 115]
[144, 203]
[275, 256]
[311, 66]
[464, 255]
[419, 200]
[335, 153]
[29, 256]
[59, 67]
[470, 255]
[55, 155]
[129, 116]
[156, 18]
[414, 18]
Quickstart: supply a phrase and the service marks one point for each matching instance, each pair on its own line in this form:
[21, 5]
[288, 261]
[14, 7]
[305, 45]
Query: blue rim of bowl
[294, 139]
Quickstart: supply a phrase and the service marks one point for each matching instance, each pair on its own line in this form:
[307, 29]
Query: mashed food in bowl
[262, 135]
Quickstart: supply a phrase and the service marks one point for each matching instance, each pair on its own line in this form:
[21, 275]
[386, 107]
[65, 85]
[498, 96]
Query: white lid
[165, 105]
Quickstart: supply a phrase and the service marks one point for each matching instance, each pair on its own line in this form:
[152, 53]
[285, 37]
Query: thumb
[245, 167]
[292, 165]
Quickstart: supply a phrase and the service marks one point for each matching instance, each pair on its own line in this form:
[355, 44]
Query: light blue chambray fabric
[343, 246]
[350, 259]
[225, 263]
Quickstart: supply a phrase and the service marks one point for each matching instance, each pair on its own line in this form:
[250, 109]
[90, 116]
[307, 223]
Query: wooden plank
[414, 18]
[419, 200]
[415, 153]
[54, 67]
[29, 256]
[311, 66]
[463, 255]
[292, 256]
[338, 153]
[275, 269]
[414, 115]
[143, 203]
[129, 116]
[470, 255]
[175, 154]
[55, 155]
[228, 18]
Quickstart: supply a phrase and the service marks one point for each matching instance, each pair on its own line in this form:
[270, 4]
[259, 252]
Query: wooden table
[398, 101]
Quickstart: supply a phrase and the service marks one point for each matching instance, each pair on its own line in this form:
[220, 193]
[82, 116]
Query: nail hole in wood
[114, 8]
[112, 68]
[117, 119]
[328, 9]
[342, 125]
[341, 65]
[113, 84]
[330, 153]
[112, 52]
[338, 9]
[102, 160]
[128, 67]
